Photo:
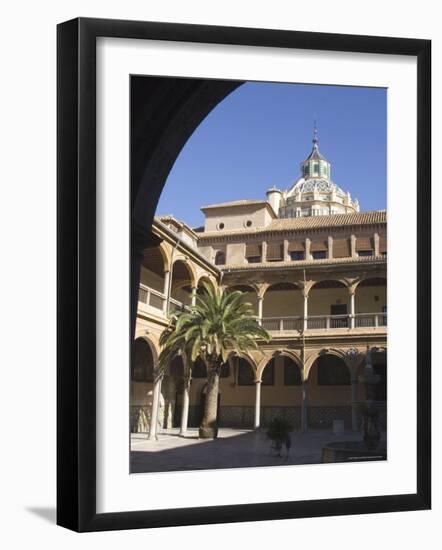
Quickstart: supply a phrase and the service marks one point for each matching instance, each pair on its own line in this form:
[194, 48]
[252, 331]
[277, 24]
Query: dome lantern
[315, 165]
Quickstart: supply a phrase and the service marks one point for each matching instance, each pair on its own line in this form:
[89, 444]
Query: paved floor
[232, 449]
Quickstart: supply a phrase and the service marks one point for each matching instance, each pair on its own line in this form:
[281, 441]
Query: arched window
[142, 362]
[220, 258]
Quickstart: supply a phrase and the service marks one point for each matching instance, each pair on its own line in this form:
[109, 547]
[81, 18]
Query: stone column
[185, 410]
[260, 303]
[376, 244]
[166, 291]
[354, 396]
[286, 255]
[257, 403]
[193, 296]
[307, 249]
[330, 247]
[304, 407]
[154, 412]
[353, 246]
[351, 291]
[264, 251]
[305, 294]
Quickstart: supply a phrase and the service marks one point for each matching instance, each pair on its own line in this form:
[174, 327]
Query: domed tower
[314, 193]
[315, 165]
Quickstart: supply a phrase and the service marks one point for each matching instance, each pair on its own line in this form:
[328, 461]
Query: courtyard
[234, 448]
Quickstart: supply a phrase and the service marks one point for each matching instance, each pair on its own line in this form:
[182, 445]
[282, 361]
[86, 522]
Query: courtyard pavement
[233, 449]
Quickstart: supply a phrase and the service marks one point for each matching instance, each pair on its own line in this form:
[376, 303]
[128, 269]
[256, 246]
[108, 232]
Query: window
[362, 253]
[275, 252]
[253, 253]
[319, 254]
[221, 225]
[254, 259]
[248, 223]
[297, 255]
[220, 258]
[292, 376]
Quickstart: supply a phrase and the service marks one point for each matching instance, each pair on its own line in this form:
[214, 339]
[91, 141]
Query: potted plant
[279, 434]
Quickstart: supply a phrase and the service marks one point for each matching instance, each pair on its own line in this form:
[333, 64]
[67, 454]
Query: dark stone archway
[164, 113]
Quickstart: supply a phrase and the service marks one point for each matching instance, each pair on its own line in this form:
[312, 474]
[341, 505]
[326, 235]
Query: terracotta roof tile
[309, 222]
[302, 263]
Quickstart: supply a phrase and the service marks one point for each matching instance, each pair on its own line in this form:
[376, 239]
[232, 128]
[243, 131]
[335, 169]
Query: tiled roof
[335, 220]
[303, 263]
[308, 222]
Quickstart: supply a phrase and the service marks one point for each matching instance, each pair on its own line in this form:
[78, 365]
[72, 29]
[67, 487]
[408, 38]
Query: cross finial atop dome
[315, 134]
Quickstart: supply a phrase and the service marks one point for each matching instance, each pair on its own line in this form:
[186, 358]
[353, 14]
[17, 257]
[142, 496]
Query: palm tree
[216, 326]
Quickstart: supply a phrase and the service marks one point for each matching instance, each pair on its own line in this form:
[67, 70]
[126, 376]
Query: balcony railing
[281, 324]
[157, 300]
[325, 322]
[151, 298]
[371, 320]
[175, 305]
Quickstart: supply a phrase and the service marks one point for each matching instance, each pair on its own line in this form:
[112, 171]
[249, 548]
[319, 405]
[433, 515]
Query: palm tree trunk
[209, 426]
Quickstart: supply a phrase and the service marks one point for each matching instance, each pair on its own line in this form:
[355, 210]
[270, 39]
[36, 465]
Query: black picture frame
[76, 272]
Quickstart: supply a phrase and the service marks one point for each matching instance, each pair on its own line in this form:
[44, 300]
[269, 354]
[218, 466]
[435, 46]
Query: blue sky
[258, 135]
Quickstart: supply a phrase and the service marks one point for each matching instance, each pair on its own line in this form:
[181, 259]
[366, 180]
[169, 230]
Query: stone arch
[280, 285]
[206, 279]
[283, 352]
[328, 304]
[245, 357]
[371, 301]
[183, 281]
[143, 361]
[325, 351]
[165, 112]
[243, 287]
[154, 265]
[282, 306]
[329, 283]
[143, 373]
[250, 293]
[166, 254]
[378, 280]
[183, 261]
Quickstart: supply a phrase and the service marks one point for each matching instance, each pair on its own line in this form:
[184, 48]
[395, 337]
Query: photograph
[261, 326]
